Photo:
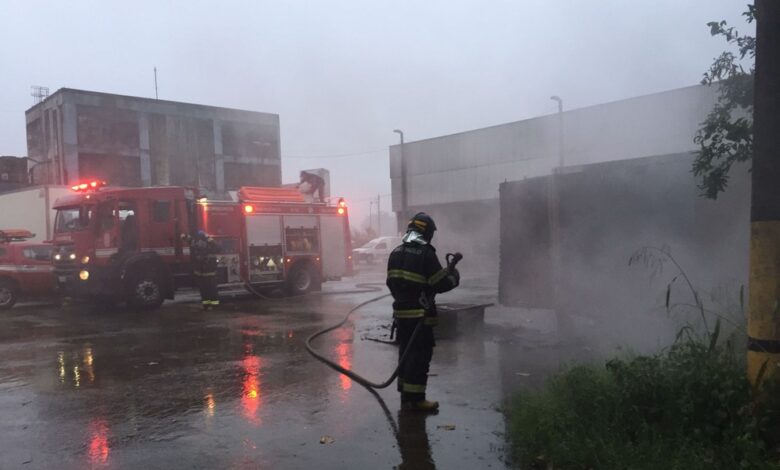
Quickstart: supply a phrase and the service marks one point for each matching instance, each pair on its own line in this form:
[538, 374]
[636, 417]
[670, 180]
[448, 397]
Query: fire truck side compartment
[334, 249]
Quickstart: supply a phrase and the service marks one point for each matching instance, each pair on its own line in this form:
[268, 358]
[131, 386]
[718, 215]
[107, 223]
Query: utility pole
[403, 214]
[764, 303]
[379, 214]
[370, 214]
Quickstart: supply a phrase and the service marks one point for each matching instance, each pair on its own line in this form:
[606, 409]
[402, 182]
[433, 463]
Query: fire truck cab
[131, 244]
[25, 268]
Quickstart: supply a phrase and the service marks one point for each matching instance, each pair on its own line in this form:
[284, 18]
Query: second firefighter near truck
[415, 276]
[203, 252]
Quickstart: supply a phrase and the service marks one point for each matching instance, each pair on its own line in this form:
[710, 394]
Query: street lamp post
[554, 216]
[560, 129]
[402, 215]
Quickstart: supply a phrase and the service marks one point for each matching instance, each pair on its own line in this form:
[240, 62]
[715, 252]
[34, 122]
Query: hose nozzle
[453, 259]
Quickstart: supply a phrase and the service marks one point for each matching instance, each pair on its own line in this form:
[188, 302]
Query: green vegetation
[689, 407]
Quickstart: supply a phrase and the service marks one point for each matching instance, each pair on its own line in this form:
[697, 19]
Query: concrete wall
[469, 166]
[25, 209]
[450, 175]
[608, 212]
[141, 142]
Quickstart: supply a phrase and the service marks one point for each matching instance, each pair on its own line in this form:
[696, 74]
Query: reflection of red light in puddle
[345, 361]
[251, 399]
[98, 442]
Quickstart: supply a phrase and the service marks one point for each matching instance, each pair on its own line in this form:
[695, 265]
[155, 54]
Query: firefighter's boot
[424, 406]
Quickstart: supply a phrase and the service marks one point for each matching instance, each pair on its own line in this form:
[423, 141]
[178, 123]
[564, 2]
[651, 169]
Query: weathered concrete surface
[235, 388]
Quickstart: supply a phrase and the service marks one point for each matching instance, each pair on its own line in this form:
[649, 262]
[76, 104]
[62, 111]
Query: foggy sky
[343, 74]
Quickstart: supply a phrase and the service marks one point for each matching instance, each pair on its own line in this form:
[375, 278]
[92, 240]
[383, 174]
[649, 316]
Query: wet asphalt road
[235, 388]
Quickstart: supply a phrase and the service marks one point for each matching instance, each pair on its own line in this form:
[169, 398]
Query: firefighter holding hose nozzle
[415, 276]
[203, 253]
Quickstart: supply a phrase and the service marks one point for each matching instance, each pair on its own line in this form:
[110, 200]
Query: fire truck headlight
[83, 274]
[85, 260]
[72, 256]
[57, 257]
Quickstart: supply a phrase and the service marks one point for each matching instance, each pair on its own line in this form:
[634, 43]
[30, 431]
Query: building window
[112, 129]
[116, 170]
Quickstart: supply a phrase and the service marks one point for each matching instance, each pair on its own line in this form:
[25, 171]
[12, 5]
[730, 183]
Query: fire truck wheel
[301, 280]
[8, 294]
[145, 292]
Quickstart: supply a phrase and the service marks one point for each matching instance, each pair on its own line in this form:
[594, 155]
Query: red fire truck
[25, 267]
[131, 243]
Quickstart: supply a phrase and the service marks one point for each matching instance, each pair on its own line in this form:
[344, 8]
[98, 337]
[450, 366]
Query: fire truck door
[129, 227]
[36, 270]
[162, 236]
[107, 241]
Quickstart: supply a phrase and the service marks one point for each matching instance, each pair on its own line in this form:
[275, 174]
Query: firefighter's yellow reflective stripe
[198, 273]
[406, 275]
[438, 276]
[413, 388]
[432, 321]
[414, 313]
[210, 302]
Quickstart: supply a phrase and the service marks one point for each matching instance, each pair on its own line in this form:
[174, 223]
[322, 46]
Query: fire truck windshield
[72, 219]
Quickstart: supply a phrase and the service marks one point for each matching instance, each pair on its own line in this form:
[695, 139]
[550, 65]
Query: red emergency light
[249, 208]
[342, 204]
[82, 187]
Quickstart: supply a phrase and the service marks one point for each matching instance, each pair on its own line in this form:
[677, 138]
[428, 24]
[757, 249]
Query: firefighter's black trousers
[413, 376]
[207, 284]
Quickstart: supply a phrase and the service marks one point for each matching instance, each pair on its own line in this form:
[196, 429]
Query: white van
[377, 250]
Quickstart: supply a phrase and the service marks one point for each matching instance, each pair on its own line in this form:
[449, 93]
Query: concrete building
[134, 141]
[13, 173]
[456, 177]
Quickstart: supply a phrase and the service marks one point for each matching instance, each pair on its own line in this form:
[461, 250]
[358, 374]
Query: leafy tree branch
[726, 135]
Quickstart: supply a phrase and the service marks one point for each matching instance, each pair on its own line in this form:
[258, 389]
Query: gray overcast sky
[343, 74]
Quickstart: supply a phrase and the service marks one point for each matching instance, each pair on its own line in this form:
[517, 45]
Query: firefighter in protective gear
[203, 253]
[415, 276]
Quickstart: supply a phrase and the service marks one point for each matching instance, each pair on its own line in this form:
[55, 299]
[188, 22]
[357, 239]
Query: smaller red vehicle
[25, 268]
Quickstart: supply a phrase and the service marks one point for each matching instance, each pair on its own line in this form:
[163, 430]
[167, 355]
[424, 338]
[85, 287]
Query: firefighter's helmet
[423, 224]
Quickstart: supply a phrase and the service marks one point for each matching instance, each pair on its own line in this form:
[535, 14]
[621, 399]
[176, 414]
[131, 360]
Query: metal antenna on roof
[155, 83]
[39, 93]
